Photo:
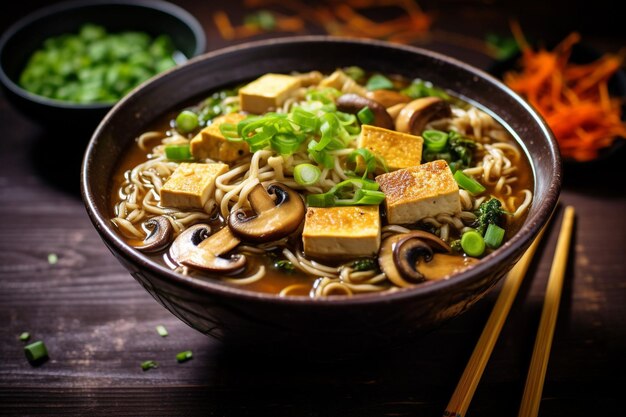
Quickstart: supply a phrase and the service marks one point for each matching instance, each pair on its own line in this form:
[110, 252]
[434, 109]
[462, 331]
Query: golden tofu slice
[414, 193]
[191, 185]
[267, 92]
[399, 150]
[210, 143]
[341, 232]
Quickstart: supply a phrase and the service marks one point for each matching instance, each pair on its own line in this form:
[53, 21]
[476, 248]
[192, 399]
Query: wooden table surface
[99, 324]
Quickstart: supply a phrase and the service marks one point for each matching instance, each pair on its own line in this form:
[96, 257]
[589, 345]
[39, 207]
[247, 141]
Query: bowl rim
[47, 11]
[529, 230]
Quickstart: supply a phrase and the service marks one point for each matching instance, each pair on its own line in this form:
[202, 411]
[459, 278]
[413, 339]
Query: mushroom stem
[196, 249]
[161, 232]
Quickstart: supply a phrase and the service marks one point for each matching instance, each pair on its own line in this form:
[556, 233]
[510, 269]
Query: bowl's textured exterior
[338, 324]
[27, 35]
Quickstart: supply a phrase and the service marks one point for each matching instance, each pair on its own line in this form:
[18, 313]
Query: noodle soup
[323, 184]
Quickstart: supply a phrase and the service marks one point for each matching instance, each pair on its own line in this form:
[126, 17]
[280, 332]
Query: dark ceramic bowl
[336, 325]
[25, 36]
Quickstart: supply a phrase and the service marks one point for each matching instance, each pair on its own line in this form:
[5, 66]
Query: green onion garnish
[187, 121]
[365, 115]
[36, 351]
[351, 192]
[494, 236]
[306, 174]
[184, 356]
[178, 152]
[468, 183]
[379, 82]
[366, 157]
[149, 365]
[356, 73]
[473, 243]
[162, 331]
[24, 336]
[285, 265]
[435, 140]
[53, 258]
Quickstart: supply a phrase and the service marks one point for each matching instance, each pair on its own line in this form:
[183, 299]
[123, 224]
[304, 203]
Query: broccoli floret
[489, 212]
[458, 152]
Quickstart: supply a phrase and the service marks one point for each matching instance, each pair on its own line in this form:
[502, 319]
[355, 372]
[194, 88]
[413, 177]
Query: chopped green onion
[263, 19]
[285, 265]
[354, 72]
[468, 183]
[304, 119]
[24, 336]
[36, 351]
[368, 160]
[494, 236]
[379, 82]
[435, 140]
[184, 356]
[473, 243]
[178, 152]
[351, 192]
[365, 115]
[149, 365]
[306, 174]
[229, 131]
[53, 258]
[162, 331]
[187, 121]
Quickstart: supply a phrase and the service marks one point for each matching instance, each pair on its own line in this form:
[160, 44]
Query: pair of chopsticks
[459, 403]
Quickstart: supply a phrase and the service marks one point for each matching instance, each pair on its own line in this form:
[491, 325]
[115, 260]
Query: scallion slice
[178, 152]
[184, 356]
[468, 183]
[435, 140]
[365, 115]
[36, 351]
[473, 243]
[24, 336]
[351, 192]
[149, 365]
[187, 121]
[379, 82]
[306, 174]
[162, 331]
[494, 236]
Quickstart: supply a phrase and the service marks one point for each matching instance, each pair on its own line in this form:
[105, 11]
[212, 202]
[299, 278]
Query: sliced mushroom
[280, 220]
[400, 254]
[353, 103]
[443, 265]
[394, 111]
[414, 117]
[196, 249]
[161, 232]
[387, 98]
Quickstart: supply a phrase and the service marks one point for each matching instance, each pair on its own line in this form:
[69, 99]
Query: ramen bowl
[253, 320]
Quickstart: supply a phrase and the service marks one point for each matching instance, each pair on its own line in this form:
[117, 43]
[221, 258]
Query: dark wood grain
[99, 324]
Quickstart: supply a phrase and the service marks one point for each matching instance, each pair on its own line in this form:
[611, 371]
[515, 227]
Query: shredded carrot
[574, 99]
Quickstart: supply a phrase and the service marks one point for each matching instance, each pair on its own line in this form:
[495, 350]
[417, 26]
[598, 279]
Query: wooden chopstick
[541, 353]
[457, 407]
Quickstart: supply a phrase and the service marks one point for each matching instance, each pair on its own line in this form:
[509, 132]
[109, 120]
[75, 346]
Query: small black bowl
[582, 53]
[333, 326]
[27, 35]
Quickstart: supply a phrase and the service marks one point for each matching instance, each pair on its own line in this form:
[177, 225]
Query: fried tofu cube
[210, 143]
[191, 185]
[341, 81]
[267, 92]
[340, 232]
[414, 193]
[399, 150]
